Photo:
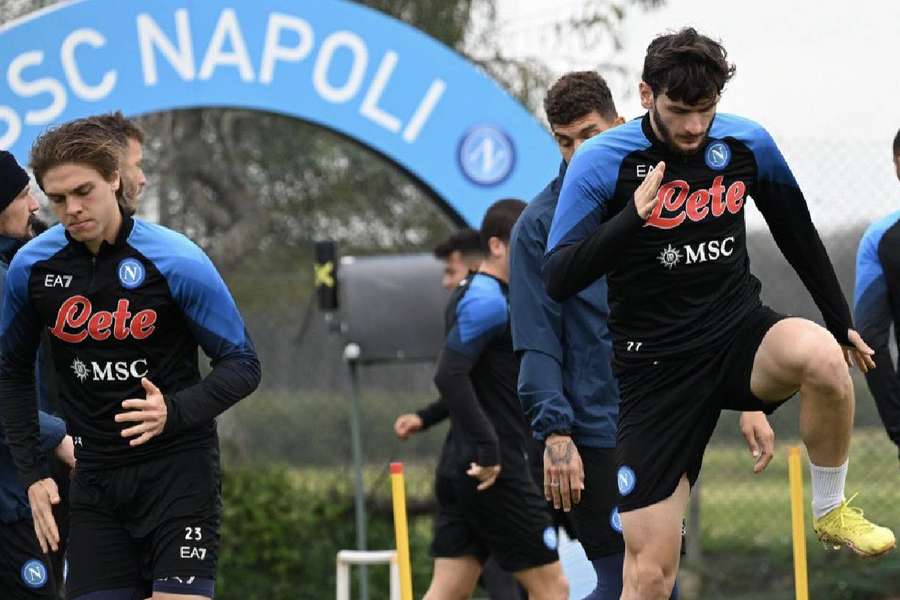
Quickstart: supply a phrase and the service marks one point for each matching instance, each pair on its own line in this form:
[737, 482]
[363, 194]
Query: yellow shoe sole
[832, 543]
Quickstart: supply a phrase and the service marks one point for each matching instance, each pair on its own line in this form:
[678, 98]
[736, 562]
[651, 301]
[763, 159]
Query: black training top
[138, 308]
[680, 281]
[476, 376]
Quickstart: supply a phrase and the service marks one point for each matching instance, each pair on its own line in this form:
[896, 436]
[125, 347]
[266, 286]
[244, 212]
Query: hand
[645, 197]
[760, 438]
[150, 414]
[42, 495]
[563, 472]
[406, 425]
[859, 353]
[65, 452]
[486, 475]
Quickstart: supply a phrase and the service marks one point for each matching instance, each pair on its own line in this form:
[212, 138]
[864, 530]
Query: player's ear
[646, 94]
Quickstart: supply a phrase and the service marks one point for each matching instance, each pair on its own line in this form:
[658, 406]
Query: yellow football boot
[846, 526]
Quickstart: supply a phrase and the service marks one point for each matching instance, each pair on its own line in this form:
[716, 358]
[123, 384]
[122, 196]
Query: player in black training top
[657, 206]
[127, 304]
[488, 502]
[878, 306]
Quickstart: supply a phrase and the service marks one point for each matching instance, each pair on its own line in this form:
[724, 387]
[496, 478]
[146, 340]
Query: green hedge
[281, 532]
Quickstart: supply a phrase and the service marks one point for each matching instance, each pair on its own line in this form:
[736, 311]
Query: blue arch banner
[331, 62]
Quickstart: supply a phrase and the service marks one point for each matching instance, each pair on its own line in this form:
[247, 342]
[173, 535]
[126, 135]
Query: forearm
[540, 390]
[433, 414]
[457, 392]
[230, 381]
[572, 268]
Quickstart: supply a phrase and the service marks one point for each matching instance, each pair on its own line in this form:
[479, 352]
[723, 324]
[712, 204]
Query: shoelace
[852, 517]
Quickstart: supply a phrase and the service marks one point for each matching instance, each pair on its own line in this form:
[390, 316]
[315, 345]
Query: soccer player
[657, 205]
[878, 306]
[488, 502]
[24, 572]
[127, 305]
[130, 138]
[461, 255]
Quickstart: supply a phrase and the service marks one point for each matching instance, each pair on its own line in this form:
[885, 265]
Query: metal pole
[351, 352]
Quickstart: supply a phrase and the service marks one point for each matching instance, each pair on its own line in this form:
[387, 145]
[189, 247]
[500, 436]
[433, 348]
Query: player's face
[84, 202]
[133, 178]
[455, 270]
[16, 219]
[571, 135]
[683, 127]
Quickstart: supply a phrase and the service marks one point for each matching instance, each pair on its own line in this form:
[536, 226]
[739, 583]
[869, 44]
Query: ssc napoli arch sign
[340, 65]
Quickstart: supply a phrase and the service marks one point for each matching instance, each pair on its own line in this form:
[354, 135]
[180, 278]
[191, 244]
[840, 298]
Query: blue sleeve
[214, 321]
[480, 316]
[872, 311]
[19, 338]
[877, 279]
[536, 330]
[53, 430]
[585, 240]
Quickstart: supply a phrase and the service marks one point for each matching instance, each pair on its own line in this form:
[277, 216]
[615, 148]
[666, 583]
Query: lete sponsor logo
[677, 202]
[76, 321]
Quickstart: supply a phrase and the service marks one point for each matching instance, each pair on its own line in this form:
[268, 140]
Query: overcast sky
[822, 75]
[806, 68]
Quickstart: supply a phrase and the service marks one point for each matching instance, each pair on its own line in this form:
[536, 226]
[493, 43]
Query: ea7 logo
[52, 280]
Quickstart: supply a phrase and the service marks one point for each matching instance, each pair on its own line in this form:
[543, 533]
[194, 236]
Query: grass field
[745, 525]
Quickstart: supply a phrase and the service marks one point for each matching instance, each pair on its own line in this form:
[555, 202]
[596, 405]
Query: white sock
[827, 488]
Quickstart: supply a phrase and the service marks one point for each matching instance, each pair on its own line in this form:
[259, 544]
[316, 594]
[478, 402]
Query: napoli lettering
[679, 203]
[76, 321]
[172, 44]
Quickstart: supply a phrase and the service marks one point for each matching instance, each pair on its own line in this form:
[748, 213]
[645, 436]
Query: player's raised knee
[653, 583]
[826, 368]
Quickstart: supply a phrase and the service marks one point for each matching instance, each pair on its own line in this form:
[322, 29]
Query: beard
[36, 226]
[666, 137]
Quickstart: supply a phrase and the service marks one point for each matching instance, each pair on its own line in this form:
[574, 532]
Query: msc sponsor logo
[76, 320]
[110, 370]
[710, 250]
[677, 203]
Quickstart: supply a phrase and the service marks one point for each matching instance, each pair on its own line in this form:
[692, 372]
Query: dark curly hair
[576, 94]
[897, 143]
[687, 66]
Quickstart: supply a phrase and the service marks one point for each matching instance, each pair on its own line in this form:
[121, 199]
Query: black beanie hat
[13, 179]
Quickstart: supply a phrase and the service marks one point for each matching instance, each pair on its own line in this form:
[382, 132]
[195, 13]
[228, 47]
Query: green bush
[281, 530]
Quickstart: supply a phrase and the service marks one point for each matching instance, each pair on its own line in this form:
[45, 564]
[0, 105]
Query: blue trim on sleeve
[591, 178]
[769, 160]
[480, 313]
[869, 271]
[196, 287]
[15, 289]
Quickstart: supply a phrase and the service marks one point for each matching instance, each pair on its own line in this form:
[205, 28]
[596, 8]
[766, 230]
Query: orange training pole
[401, 530]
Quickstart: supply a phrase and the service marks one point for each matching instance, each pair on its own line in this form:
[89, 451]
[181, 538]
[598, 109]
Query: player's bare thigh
[783, 356]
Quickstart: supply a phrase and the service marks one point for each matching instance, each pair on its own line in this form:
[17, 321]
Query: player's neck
[495, 269]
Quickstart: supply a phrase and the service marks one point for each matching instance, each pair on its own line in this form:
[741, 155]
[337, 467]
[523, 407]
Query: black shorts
[508, 521]
[596, 516]
[136, 524]
[670, 407]
[25, 572]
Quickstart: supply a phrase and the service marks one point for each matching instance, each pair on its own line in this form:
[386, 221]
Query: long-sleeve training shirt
[565, 376]
[140, 307]
[476, 376]
[680, 281]
[877, 306]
